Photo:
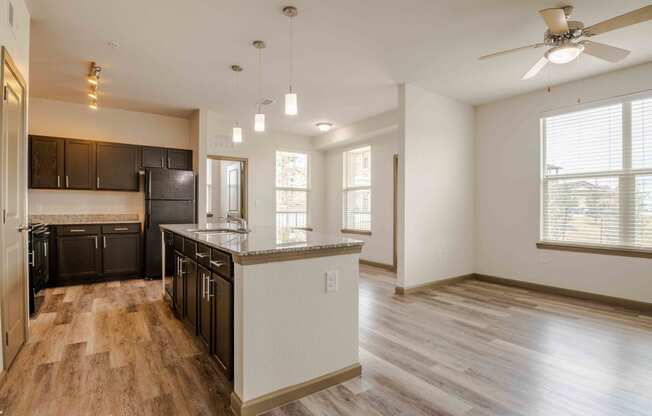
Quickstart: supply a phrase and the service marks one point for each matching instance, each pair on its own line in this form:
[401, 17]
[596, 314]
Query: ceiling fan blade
[606, 52]
[536, 68]
[493, 55]
[636, 16]
[555, 20]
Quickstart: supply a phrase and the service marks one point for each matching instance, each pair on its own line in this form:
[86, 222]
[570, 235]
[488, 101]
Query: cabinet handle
[217, 263]
[98, 183]
[30, 258]
[162, 162]
[201, 255]
[58, 181]
[181, 262]
[104, 241]
[67, 182]
[203, 286]
[95, 238]
[77, 230]
[121, 229]
[210, 285]
[45, 248]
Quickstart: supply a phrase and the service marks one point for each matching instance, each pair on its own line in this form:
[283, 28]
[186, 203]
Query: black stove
[39, 261]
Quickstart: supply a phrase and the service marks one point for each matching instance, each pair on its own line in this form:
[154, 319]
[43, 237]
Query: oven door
[168, 273]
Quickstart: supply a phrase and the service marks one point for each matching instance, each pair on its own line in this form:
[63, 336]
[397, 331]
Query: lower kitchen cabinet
[121, 254]
[206, 292]
[179, 286]
[190, 274]
[223, 324]
[78, 257]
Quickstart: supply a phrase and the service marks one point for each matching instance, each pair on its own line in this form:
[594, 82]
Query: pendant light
[259, 118]
[237, 130]
[291, 101]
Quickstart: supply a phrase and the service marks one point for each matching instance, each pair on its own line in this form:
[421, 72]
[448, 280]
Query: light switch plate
[331, 281]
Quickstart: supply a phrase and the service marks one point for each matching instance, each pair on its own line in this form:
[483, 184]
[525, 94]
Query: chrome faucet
[233, 218]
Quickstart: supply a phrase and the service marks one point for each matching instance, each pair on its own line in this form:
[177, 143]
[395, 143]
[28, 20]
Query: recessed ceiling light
[324, 126]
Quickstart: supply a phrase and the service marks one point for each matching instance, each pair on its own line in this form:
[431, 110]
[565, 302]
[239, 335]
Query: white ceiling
[175, 56]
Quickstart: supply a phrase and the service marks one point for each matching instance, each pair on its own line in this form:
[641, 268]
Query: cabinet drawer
[221, 263]
[120, 228]
[178, 243]
[203, 255]
[190, 248]
[78, 230]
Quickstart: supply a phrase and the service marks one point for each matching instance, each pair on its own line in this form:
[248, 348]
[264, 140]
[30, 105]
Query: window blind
[292, 178]
[597, 175]
[356, 198]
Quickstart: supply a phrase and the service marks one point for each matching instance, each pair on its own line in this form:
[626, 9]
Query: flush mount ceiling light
[259, 118]
[324, 126]
[291, 100]
[564, 53]
[237, 130]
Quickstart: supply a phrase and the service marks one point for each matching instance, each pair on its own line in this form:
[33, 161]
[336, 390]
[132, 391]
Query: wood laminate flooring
[472, 349]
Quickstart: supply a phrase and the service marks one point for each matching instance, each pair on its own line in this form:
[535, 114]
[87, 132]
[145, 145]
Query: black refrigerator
[169, 199]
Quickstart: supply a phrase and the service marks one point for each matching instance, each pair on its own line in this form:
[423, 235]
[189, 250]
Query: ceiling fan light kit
[567, 39]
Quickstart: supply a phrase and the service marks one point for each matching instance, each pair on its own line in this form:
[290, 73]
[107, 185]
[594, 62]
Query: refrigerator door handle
[149, 185]
[149, 214]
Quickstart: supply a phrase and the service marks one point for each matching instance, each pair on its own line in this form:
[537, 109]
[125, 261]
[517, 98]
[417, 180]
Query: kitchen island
[278, 308]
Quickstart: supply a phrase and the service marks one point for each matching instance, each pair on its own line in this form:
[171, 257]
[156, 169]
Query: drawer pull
[201, 255]
[121, 229]
[78, 230]
[217, 263]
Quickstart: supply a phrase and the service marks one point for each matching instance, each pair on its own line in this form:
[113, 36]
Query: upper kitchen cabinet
[154, 157]
[117, 167]
[79, 164]
[46, 162]
[179, 159]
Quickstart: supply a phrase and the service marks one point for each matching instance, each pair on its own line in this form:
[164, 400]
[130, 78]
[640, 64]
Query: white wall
[437, 206]
[260, 150]
[507, 194]
[71, 120]
[379, 246]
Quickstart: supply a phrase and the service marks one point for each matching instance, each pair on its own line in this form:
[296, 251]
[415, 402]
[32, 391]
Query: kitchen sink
[218, 230]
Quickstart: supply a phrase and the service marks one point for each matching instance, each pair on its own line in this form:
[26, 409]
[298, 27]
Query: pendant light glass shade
[291, 104]
[237, 134]
[259, 122]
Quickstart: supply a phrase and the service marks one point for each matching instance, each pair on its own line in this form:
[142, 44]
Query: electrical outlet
[331, 281]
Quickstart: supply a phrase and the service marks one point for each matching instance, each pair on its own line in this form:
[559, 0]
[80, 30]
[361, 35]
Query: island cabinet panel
[179, 159]
[179, 286]
[121, 253]
[221, 263]
[117, 167]
[153, 157]
[205, 305]
[223, 323]
[192, 293]
[78, 257]
[46, 162]
[79, 164]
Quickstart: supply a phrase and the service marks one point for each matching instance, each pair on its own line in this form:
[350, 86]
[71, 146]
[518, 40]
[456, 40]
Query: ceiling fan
[567, 39]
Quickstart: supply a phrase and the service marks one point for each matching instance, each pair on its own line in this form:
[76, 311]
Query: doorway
[13, 190]
[226, 192]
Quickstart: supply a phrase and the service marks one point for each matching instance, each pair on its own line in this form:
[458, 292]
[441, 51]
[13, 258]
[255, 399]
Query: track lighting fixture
[94, 80]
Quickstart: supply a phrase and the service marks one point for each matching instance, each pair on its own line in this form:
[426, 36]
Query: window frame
[307, 189]
[624, 175]
[346, 229]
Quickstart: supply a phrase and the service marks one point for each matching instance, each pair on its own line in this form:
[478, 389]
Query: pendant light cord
[260, 78]
[291, 52]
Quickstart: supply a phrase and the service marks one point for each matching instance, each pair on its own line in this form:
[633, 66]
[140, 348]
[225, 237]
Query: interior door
[233, 190]
[14, 189]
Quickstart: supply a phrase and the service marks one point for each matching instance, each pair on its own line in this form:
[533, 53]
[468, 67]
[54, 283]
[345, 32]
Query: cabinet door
[190, 274]
[179, 286]
[79, 164]
[222, 290]
[46, 156]
[153, 157]
[205, 305]
[180, 159]
[117, 167]
[78, 257]
[120, 254]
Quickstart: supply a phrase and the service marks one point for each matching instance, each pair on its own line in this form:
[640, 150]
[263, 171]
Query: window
[209, 186]
[597, 175]
[292, 187]
[356, 198]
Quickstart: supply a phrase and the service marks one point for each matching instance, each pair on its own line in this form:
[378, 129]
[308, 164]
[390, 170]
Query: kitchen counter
[264, 240]
[89, 219]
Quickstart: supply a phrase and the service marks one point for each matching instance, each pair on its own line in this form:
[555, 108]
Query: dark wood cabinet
[78, 257]
[46, 162]
[223, 322]
[190, 274]
[79, 164]
[179, 159]
[205, 324]
[179, 286]
[117, 167]
[153, 157]
[121, 254]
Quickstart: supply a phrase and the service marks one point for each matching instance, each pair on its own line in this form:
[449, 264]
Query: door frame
[5, 59]
[395, 215]
[244, 175]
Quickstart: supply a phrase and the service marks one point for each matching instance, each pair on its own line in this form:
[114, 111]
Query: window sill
[303, 228]
[586, 248]
[359, 232]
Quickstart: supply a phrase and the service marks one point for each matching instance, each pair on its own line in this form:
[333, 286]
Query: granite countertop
[262, 240]
[71, 219]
